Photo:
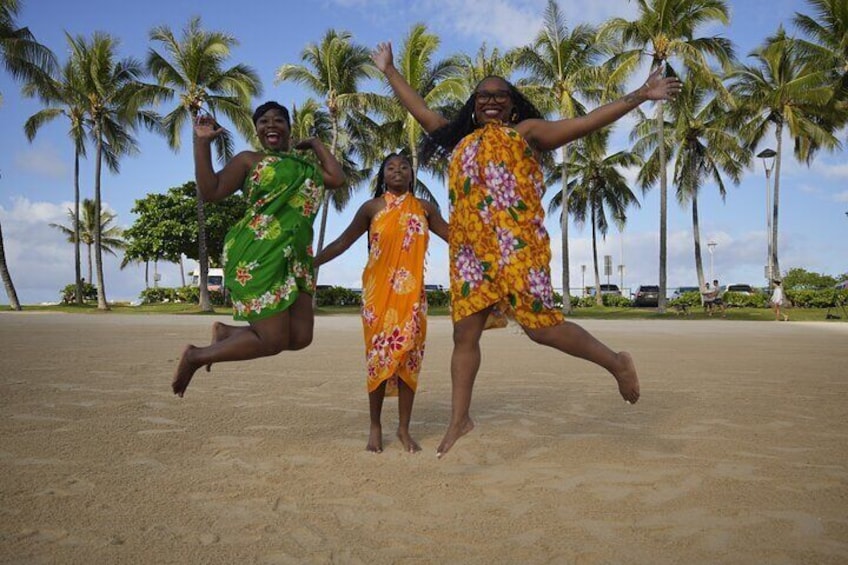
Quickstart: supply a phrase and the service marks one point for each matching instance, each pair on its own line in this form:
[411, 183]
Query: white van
[215, 279]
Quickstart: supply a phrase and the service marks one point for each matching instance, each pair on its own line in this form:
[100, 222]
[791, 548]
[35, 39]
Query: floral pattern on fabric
[394, 315]
[500, 252]
[268, 253]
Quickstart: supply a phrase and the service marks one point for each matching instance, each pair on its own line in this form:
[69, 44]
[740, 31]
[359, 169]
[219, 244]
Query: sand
[736, 453]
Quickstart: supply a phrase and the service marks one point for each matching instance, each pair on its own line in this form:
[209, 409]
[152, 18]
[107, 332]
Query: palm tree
[564, 69]
[64, 97]
[597, 185]
[115, 99]
[110, 235]
[827, 47]
[440, 83]
[702, 144]
[192, 69]
[663, 30]
[23, 58]
[333, 70]
[779, 90]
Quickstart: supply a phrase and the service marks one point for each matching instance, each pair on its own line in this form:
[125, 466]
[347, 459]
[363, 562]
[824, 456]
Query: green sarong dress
[268, 254]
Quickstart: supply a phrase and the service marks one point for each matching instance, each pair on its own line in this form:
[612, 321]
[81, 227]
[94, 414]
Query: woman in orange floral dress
[394, 315]
[499, 248]
[269, 252]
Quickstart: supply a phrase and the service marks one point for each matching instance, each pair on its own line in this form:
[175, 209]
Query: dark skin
[291, 329]
[493, 103]
[398, 177]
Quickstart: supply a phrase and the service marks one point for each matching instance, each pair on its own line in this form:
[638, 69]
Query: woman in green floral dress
[268, 254]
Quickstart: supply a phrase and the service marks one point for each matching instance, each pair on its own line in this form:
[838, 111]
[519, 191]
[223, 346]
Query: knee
[298, 342]
[538, 335]
[463, 337]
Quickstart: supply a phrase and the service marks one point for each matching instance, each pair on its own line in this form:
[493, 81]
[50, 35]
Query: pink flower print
[539, 224]
[469, 266]
[468, 160]
[414, 226]
[309, 251]
[539, 281]
[501, 185]
[395, 340]
[507, 242]
[368, 315]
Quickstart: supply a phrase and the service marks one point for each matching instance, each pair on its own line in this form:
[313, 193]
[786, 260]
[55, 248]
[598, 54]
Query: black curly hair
[380, 187]
[441, 142]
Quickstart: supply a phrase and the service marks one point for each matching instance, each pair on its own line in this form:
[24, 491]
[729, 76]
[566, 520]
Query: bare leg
[375, 405]
[406, 398]
[465, 362]
[262, 338]
[220, 332]
[570, 338]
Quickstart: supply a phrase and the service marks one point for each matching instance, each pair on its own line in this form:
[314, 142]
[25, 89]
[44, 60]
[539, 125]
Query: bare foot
[185, 371]
[409, 444]
[454, 433]
[217, 335]
[628, 380]
[375, 440]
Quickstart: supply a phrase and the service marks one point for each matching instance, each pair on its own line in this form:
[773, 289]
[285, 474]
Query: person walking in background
[777, 300]
[268, 253]
[394, 303]
[499, 248]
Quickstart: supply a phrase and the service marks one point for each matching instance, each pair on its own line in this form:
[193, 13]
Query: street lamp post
[583, 281]
[768, 155]
[711, 245]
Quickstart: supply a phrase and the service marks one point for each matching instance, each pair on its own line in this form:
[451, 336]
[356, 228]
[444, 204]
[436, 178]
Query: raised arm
[437, 223]
[331, 169]
[547, 135]
[411, 100]
[359, 225]
[214, 186]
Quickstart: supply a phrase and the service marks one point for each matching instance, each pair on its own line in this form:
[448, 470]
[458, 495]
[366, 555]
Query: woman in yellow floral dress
[499, 248]
[268, 254]
[394, 315]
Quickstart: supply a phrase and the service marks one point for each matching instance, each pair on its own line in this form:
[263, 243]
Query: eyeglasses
[498, 96]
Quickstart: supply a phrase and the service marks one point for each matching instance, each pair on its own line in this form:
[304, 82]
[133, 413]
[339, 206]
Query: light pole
[711, 245]
[768, 155]
[583, 281]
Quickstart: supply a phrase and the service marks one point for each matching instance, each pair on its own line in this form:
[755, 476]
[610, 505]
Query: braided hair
[441, 142]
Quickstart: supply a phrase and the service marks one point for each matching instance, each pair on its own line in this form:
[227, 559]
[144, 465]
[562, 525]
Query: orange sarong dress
[500, 252]
[394, 304]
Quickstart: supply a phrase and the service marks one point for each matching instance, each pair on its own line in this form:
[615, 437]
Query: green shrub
[337, 296]
[187, 294]
[69, 293]
[741, 300]
[438, 298]
[816, 298]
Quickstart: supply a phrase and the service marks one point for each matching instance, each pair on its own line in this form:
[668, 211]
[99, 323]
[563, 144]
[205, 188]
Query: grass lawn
[594, 312]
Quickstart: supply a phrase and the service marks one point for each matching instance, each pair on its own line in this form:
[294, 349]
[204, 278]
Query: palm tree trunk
[7, 278]
[147, 274]
[102, 304]
[182, 270]
[325, 205]
[599, 299]
[696, 234]
[663, 208]
[202, 255]
[563, 224]
[90, 267]
[79, 298]
[775, 274]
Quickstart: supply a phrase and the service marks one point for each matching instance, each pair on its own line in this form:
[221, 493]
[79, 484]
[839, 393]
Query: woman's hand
[307, 144]
[206, 128]
[382, 56]
[658, 87]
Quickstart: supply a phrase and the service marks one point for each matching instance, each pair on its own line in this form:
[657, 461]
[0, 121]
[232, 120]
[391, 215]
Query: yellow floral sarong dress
[268, 253]
[394, 304]
[500, 252]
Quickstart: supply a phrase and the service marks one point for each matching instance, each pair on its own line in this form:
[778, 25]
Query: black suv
[647, 295]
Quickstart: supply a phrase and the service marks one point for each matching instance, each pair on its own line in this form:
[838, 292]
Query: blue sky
[36, 187]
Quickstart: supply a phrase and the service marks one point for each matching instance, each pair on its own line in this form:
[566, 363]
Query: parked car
[605, 289]
[741, 289]
[647, 295]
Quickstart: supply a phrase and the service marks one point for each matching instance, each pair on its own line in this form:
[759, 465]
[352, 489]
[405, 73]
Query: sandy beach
[736, 453]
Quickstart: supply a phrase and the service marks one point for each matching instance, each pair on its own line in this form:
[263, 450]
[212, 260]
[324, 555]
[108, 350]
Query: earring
[474, 118]
[514, 116]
